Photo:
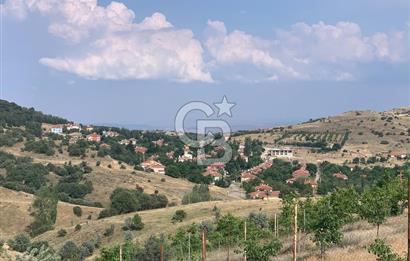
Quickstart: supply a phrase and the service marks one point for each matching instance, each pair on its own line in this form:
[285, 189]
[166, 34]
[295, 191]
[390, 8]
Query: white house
[276, 152]
[56, 129]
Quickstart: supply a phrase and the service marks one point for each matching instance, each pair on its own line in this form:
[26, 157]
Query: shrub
[134, 223]
[69, 252]
[162, 179]
[61, 233]
[199, 194]
[179, 215]
[20, 243]
[77, 227]
[87, 248]
[77, 211]
[109, 231]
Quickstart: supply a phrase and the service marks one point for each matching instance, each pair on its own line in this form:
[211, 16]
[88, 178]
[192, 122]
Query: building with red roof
[340, 175]
[94, 137]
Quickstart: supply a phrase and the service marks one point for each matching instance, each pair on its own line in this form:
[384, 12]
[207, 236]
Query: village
[216, 171]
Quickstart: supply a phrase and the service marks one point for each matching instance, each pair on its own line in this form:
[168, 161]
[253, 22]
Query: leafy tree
[43, 253]
[375, 206]
[383, 251]
[199, 194]
[325, 225]
[256, 251]
[230, 228]
[70, 252]
[124, 201]
[45, 211]
[134, 223]
[259, 219]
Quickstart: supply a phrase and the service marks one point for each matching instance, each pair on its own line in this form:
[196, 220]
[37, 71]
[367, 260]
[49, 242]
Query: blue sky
[137, 62]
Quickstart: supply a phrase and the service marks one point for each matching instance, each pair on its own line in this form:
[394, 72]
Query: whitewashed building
[277, 152]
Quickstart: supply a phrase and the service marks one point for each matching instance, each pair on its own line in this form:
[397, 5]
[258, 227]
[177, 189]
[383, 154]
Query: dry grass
[16, 208]
[356, 237]
[157, 221]
[360, 124]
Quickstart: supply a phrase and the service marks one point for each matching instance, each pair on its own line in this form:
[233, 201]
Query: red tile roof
[340, 175]
[263, 187]
[302, 172]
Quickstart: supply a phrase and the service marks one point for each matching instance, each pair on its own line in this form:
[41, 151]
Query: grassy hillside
[98, 171]
[370, 133]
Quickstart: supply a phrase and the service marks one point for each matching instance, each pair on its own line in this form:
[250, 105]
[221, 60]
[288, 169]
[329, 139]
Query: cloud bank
[116, 47]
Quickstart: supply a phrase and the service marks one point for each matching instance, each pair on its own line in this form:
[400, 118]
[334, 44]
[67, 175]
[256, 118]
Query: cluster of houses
[302, 174]
[74, 131]
[264, 192]
[215, 170]
[250, 174]
[59, 128]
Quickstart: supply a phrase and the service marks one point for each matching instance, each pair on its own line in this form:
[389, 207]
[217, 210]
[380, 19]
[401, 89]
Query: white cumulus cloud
[116, 46]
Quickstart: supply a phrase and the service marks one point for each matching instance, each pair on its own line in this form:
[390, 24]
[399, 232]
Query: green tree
[77, 211]
[375, 206]
[20, 242]
[45, 211]
[70, 252]
[256, 251]
[134, 223]
[383, 251]
[325, 225]
[179, 216]
[230, 228]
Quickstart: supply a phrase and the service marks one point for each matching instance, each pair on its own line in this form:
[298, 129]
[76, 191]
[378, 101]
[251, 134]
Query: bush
[179, 215]
[199, 193]
[61, 233]
[20, 243]
[87, 248]
[134, 223]
[109, 231]
[69, 252]
[77, 227]
[77, 211]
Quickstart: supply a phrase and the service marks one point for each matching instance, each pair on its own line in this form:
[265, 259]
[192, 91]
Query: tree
[179, 215]
[383, 251]
[325, 225]
[20, 242]
[230, 227]
[70, 252]
[77, 211]
[375, 206]
[45, 211]
[134, 223]
[256, 251]
[124, 201]
[36, 254]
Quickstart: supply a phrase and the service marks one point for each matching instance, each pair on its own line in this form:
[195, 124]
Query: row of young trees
[322, 219]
